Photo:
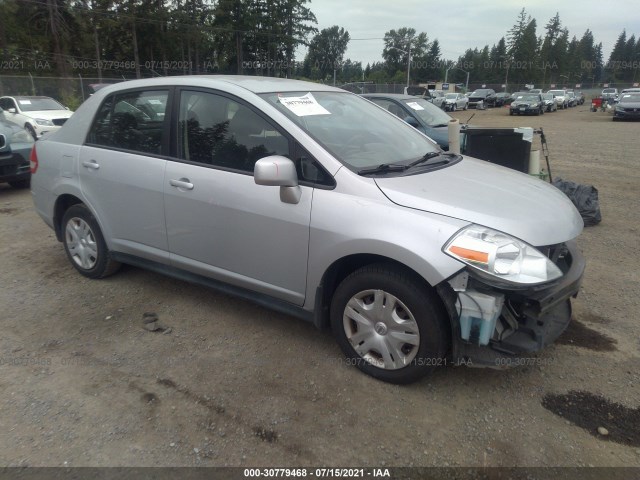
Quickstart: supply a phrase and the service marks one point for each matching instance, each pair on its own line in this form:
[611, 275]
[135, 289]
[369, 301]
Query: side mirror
[278, 171]
[412, 121]
[11, 110]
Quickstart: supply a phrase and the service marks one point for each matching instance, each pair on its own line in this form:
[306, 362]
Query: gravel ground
[82, 383]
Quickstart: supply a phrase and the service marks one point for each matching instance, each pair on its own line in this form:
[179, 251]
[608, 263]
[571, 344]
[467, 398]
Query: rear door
[122, 166]
[219, 222]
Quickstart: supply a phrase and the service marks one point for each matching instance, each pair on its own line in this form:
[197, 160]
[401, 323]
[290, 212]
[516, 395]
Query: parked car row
[37, 115]
[24, 119]
[15, 148]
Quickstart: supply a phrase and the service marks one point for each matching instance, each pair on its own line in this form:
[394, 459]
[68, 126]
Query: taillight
[33, 159]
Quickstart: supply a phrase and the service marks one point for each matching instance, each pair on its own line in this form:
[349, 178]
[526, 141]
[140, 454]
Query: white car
[38, 115]
[562, 99]
[455, 101]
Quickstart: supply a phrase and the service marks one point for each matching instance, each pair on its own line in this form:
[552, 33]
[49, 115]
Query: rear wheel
[85, 245]
[389, 323]
[453, 107]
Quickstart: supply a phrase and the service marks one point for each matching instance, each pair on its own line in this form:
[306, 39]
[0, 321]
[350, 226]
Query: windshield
[609, 90]
[480, 93]
[32, 104]
[428, 112]
[630, 97]
[548, 96]
[452, 95]
[355, 131]
[557, 92]
[527, 98]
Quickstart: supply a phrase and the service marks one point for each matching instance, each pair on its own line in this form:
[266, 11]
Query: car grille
[3, 141]
[59, 121]
[632, 109]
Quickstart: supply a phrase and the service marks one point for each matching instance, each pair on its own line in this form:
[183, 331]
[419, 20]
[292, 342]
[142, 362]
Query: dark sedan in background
[526, 104]
[502, 99]
[15, 148]
[485, 95]
[417, 112]
[628, 107]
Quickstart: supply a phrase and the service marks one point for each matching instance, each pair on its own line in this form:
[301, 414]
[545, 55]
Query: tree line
[141, 38]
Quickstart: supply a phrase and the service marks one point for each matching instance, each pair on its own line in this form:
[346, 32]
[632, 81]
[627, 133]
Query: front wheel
[31, 131]
[85, 245]
[389, 323]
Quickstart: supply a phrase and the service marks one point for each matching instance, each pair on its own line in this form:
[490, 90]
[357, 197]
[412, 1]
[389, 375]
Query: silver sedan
[455, 101]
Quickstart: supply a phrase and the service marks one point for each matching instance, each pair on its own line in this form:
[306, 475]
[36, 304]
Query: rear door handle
[92, 164]
[183, 183]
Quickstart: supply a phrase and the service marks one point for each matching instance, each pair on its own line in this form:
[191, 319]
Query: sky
[459, 25]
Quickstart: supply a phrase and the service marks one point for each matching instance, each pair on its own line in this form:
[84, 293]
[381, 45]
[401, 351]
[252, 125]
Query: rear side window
[131, 121]
[216, 130]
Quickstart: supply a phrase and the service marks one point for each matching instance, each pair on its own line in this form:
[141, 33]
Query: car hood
[522, 103]
[480, 192]
[629, 104]
[49, 114]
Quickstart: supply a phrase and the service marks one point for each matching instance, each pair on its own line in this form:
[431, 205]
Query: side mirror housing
[275, 171]
[11, 110]
[279, 171]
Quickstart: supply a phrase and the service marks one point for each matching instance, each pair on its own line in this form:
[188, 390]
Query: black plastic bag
[584, 197]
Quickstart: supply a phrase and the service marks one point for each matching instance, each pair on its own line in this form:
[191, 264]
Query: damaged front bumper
[529, 319]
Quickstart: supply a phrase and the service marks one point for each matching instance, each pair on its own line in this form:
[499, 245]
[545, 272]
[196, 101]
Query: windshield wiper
[439, 125]
[383, 167]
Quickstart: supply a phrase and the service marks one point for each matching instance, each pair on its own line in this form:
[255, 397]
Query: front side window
[428, 112]
[391, 106]
[131, 121]
[6, 104]
[216, 130]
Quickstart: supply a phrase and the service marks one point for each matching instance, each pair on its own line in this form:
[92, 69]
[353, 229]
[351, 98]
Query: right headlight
[501, 257]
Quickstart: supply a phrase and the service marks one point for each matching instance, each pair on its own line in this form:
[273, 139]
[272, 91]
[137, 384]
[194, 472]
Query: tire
[417, 316]
[31, 131]
[21, 183]
[466, 106]
[85, 245]
[453, 107]
[542, 111]
[510, 112]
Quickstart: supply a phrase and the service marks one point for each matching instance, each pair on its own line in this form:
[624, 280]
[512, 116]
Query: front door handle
[92, 164]
[183, 183]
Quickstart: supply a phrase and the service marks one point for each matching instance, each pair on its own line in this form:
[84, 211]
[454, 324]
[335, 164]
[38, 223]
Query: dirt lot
[83, 384]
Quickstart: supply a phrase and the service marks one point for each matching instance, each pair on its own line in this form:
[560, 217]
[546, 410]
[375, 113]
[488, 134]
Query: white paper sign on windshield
[24, 102]
[415, 105]
[304, 106]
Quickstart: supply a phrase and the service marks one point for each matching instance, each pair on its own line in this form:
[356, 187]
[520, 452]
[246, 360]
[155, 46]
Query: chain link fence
[72, 91]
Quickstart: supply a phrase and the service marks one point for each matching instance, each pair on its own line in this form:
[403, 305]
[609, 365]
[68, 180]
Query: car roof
[31, 97]
[251, 83]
